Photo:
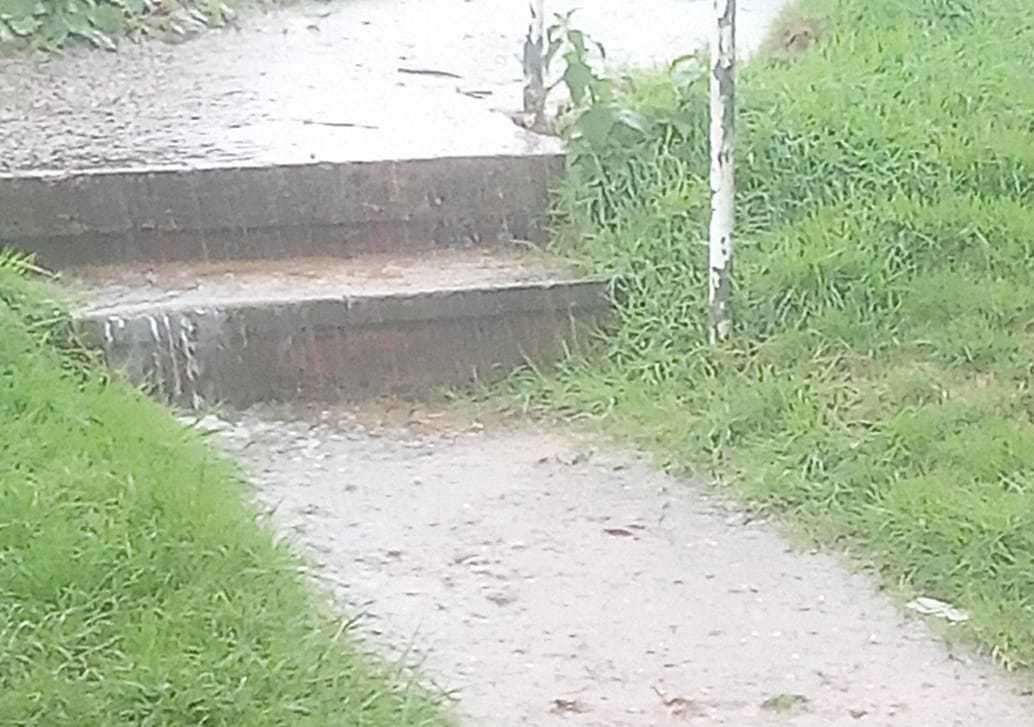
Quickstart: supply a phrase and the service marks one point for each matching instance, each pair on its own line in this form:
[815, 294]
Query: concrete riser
[334, 350]
[298, 346]
[227, 213]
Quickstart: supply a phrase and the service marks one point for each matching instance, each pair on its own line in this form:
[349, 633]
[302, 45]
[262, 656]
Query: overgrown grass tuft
[135, 586]
[52, 24]
[879, 384]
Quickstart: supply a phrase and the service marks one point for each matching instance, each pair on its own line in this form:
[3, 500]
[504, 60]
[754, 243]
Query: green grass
[135, 586]
[879, 387]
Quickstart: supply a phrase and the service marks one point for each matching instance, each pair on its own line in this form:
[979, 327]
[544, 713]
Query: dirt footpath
[546, 583]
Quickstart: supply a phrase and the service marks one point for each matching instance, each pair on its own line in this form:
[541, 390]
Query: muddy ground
[544, 579]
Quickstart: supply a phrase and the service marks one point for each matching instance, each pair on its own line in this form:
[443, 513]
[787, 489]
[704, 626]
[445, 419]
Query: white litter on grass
[208, 424]
[933, 607]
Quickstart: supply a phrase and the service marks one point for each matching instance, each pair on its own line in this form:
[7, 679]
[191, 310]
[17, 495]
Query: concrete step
[239, 212]
[325, 329]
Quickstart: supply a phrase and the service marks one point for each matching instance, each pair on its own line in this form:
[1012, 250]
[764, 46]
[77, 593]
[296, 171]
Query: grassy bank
[879, 385]
[135, 586]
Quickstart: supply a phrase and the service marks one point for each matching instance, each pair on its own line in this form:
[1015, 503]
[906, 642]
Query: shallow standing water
[321, 81]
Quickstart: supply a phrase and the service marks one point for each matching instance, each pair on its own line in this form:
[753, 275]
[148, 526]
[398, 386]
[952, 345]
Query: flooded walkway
[343, 80]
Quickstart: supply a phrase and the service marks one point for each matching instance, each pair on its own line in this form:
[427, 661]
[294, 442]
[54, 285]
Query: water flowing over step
[328, 329]
[237, 284]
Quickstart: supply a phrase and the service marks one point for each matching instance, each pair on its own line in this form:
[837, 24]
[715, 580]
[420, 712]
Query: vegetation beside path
[879, 386]
[136, 587]
[52, 24]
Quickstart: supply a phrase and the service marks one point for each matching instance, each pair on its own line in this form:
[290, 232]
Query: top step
[191, 214]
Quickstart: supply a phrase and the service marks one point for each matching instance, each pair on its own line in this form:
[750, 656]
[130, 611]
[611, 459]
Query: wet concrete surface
[125, 290]
[545, 580]
[320, 81]
[334, 330]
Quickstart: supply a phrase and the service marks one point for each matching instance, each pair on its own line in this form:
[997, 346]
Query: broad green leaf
[577, 40]
[16, 10]
[687, 70]
[135, 7]
[108, 19]
[577, 76]
[78, 7]
[684, 122]
[596, 124]
[77, 23]
[55, 31]
[24, 26]
[602, 90]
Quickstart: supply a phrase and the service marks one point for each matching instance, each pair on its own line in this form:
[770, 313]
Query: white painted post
[534, 67]
[723, 167]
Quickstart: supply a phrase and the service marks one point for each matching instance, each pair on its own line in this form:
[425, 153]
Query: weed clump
[52, 24]
[792, 34]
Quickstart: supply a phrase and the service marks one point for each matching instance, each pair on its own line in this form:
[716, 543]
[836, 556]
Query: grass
[135, 586]
[879, 387]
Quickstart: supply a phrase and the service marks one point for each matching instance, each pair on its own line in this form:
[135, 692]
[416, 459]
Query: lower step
[330, 329]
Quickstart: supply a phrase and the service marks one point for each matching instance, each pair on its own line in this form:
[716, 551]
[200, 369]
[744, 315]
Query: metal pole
[723, 167]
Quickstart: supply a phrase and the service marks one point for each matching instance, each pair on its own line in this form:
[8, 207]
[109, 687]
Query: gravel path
[319, 81]
[551, 584]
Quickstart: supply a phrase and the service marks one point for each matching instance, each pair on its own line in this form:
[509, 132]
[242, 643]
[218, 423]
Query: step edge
[587, 288]
[17, 175]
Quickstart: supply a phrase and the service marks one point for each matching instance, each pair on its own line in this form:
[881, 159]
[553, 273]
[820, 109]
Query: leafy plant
[595, 111]
[51, 24]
